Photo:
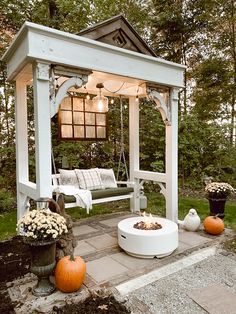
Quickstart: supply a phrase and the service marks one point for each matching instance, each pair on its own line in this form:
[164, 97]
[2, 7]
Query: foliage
[7, 201]
[152, 147]
[7, 225]
[136, 11]
[199, 157]
[42, 224]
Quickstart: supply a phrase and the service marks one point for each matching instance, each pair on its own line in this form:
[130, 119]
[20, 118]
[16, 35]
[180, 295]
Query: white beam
[22, 164]
[172, 159]
[57, 47]
[42, 129]
[29, 189]
[134, 150]
[149, 175]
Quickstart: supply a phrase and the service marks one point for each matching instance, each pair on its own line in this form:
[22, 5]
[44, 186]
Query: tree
[176, 26]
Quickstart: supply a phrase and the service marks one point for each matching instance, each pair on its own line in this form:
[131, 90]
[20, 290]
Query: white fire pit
[148, 243]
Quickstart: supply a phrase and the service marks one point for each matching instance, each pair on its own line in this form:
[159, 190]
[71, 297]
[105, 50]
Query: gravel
[170, 294]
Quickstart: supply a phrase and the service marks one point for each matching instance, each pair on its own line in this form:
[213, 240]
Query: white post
[42, 129]
[134, 150]
[22, 165]
[172, 159]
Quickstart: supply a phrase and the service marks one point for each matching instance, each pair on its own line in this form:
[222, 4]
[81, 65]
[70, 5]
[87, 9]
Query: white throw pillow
[89, 179]
[68, 177]
[108, 178]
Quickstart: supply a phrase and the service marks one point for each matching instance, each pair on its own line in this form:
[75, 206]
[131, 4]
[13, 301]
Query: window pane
[90, 131]
[101, 132]
[101, 119]
[78, 103]
[78, 117]
[66, 131]
[66, 103]
[88, 105]
[66, 117]
[90, 118]
[79, 131]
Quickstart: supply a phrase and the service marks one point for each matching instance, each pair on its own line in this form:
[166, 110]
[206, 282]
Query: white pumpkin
[192, 221]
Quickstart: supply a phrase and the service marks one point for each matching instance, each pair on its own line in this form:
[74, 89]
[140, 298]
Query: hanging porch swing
[69, 109]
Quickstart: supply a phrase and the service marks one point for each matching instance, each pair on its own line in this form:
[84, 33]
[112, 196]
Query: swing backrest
[56, 179]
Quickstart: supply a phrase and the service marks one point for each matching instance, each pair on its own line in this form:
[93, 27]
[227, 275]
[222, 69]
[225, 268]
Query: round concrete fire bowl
[148, 243]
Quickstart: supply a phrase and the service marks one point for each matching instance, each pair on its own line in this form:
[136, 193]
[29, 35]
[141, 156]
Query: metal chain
[122, 146]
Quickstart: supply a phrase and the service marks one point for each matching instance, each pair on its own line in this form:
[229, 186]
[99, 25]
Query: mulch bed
[15, 262]
[97, 305]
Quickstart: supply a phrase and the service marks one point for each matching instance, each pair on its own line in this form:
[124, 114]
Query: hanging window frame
[82, 120]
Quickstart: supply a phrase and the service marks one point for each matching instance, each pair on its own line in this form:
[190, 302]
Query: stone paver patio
[107, 265]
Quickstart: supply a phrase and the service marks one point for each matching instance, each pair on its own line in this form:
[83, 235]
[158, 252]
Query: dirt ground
[15, 262]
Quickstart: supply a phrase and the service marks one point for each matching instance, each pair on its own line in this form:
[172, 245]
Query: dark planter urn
[217, 207]
[42, 264]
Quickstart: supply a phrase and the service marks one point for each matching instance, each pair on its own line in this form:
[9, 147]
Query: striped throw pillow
[89, 179]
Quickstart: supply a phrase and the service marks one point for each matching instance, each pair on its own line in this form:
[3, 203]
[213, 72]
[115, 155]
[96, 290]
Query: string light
[87, 94]
[57, 85]
[112, 100]
[136, 98]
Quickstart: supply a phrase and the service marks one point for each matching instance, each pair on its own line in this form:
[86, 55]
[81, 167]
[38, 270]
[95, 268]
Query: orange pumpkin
[213, 225]
[69, 273]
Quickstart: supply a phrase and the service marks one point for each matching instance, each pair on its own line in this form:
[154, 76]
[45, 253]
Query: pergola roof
[36, 42]
[39, 53]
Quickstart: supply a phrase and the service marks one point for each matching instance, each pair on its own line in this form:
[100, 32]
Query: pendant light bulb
[100, 102]
[88, 96]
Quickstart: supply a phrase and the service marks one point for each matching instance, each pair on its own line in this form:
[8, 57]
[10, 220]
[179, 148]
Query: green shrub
[7, 200]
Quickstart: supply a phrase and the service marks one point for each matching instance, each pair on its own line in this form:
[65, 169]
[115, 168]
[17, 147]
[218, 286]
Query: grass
[156, 205]
[7, 225]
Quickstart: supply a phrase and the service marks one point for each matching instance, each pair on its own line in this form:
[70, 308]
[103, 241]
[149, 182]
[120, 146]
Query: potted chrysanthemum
[40, 230]
[217, 194]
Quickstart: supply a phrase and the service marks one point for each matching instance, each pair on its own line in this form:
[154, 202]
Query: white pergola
[36, 50]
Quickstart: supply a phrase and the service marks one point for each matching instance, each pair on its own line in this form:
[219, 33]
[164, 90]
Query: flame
[147, 219]
[148, 222]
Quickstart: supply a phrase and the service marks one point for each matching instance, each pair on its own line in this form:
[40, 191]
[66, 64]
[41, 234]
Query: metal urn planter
[42, 264]
[217, 207]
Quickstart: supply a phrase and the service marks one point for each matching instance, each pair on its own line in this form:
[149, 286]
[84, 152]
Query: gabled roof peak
[119, 32]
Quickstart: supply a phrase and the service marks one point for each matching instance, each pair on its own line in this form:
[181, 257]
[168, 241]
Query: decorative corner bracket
[42, 71]
[56, 98]
[164, 108]
[163, 188]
